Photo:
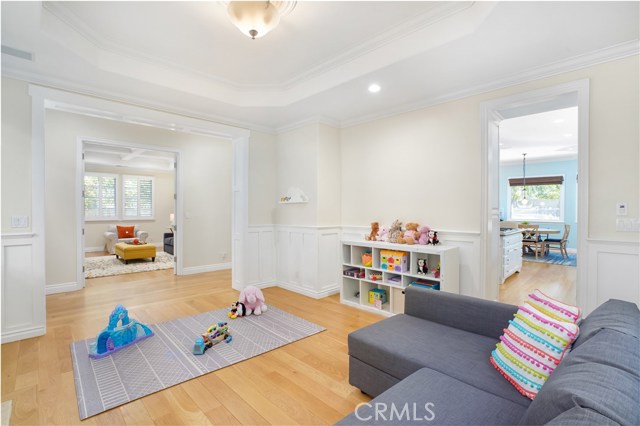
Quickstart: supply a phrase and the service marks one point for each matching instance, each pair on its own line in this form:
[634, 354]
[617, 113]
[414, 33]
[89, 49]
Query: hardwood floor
[305, 382]
[555, 281]
[96, 253]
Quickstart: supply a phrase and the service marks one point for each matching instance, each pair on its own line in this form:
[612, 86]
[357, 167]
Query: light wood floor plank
[305, 382]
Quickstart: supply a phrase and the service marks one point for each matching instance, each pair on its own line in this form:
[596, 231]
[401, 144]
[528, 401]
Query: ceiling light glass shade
[254, 18]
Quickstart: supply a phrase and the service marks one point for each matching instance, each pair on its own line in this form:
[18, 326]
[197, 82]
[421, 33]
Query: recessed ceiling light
[374, 88]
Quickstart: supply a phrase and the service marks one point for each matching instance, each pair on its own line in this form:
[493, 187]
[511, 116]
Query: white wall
[163, 204]
[206, 164]
[16, 153]
[263, 194]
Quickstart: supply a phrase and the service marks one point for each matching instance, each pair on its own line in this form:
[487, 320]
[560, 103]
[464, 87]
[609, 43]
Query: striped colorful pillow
[534, 343]
[554, 308]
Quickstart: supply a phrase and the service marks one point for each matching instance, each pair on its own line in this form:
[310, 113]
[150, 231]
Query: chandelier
[257, 18]
[524, 202]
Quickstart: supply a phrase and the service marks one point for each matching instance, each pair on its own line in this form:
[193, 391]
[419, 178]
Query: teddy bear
[395, 233]
[411, 233]
[253, 300]
[423, 237]
[383, 234]
[375, 227]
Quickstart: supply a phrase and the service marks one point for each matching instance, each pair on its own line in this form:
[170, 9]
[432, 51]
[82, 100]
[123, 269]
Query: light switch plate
[621, 208]
[19, 221]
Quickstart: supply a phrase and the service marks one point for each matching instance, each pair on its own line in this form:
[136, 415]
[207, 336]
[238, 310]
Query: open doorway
[538, 197]
[493, 113]
[128, 211]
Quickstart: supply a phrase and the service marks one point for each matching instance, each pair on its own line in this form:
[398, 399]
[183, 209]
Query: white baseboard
[12, 336]
[61, 288]
[94, 249]
[309, 293]
[205, 268]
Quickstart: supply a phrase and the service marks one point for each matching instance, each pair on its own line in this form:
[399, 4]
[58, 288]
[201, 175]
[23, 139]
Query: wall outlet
[19, 221]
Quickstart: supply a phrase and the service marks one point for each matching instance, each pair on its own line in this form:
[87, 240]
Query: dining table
[541, 231]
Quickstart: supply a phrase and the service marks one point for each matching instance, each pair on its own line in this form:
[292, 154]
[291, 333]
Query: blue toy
[199, 347]
[115, 337]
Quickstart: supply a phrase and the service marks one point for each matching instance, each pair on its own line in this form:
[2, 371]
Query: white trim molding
[613, 272]
[61, 288]
[190, 270]
[23, 297]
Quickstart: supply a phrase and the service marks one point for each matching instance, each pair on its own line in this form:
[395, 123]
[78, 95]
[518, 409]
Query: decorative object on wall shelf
[293, 196]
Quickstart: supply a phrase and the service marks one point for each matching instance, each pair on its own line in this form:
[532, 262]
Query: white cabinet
[393, 279]
[511, 249]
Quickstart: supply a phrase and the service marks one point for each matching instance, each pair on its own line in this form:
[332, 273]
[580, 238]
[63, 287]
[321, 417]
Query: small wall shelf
[294, 196]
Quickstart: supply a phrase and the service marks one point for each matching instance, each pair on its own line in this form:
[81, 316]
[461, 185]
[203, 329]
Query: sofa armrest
[110, 236]
[142, 235]
[467, 313]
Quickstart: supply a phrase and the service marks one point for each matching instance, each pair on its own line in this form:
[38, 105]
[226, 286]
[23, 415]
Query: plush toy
[423, 237]
[383, 234]
[253, 300]
[237, 310]
[395, 233]
[375, 227]
[411, 233]
[433, 238]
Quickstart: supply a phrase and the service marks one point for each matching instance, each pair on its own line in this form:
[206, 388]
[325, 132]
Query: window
[100, 196]
[137, 197]
[545, 197]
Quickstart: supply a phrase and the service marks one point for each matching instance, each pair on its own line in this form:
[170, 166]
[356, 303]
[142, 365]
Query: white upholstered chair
[112, 237]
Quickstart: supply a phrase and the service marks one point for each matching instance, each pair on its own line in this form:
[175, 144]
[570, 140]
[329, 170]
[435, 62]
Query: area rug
[104, 266]
[165, 359]
[553, 258]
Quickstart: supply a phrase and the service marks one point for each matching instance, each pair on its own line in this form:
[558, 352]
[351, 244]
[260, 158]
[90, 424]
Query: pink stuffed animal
[253, 300]
[383, 234]
[424, 235]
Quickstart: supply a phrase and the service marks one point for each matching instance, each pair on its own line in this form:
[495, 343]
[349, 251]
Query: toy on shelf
[436, 273]
[411, 233]
[354, 272]
[377, 294]
[214, 335]
[383, 234]
[120, 333]
[423, 235]
[375, 276]
[375, 227]
[423, 266]
[392, 260]
[433, 238]
[237, 310]
[253, 300]
[367, 259]
[395, 233]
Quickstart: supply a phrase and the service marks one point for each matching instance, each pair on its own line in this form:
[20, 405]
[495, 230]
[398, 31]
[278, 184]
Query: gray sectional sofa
[431, 366]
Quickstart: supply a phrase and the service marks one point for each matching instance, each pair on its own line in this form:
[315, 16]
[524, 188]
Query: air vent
[17, 53]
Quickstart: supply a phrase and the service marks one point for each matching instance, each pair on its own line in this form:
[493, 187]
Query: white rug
[104, 266]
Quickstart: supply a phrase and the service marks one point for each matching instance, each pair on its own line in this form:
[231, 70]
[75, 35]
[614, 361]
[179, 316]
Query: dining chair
[559, 243]
[531, 239]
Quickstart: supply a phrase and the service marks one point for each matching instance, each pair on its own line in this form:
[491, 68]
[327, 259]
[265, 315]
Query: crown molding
[564, 157]
[67, 86]
[613, 53]
[320, 119]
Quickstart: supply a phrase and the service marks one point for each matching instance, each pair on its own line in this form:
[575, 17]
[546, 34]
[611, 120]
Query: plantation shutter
[100, 196]
[138, 197]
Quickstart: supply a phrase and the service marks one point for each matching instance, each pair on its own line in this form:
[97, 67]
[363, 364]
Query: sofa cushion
[125, 231]
[613, 315]
[452, 402]
[578, 416]
[531, 347]
[403, 344]
[602, 375]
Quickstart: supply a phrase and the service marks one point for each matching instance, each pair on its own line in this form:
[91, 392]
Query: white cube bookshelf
[355, 290]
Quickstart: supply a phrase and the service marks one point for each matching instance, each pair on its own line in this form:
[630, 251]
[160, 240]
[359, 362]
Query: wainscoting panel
[23, 299]
[261, 267]
[614, 273]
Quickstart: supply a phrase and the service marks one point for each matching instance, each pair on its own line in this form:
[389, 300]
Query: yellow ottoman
[127, 252]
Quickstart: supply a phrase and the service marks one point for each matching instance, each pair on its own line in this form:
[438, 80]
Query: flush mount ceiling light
[374, 88]
[256, 18]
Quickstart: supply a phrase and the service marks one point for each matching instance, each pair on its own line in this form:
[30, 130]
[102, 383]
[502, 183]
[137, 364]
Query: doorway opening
[493, 114]
[129, 198]
[538, 170]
